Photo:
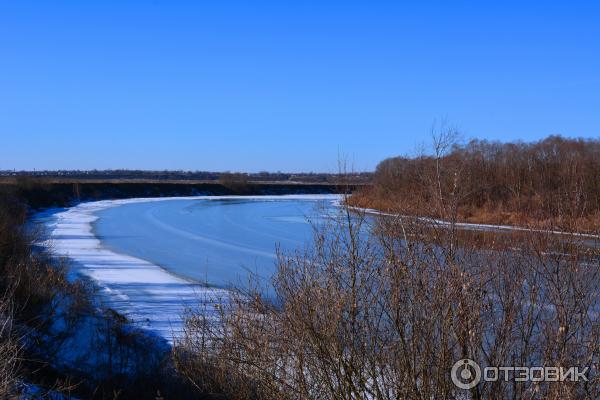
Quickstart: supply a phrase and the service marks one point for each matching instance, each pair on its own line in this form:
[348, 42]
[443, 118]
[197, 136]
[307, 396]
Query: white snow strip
[145, 293]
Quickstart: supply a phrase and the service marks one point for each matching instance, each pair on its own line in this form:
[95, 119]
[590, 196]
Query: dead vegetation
[381, 308]
[387, 319]
[554, 182]
[374, 308]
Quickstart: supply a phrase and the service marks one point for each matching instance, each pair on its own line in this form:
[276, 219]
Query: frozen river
[151, 258]
[218, 242]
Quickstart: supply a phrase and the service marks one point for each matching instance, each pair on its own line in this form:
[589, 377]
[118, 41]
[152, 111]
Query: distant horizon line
[9, 172]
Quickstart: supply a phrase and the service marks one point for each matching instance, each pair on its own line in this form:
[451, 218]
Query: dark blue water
[218, 242]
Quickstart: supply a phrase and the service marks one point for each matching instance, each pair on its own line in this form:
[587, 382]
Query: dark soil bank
[43, 194]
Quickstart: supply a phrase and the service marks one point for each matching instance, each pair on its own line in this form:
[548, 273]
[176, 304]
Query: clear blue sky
[278, 85]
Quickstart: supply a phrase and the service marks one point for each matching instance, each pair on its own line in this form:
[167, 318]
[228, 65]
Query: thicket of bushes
[382, 307]
[382, 310]
[555, 179]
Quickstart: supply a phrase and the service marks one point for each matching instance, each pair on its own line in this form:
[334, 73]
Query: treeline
[167, 175]
[555, 181]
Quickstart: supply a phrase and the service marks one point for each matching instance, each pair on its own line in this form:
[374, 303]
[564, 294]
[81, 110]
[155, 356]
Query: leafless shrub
[10, 350]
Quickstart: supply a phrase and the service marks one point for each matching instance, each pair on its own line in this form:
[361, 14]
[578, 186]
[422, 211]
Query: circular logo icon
[466, 373]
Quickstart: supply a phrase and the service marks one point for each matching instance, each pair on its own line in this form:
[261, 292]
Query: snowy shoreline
[145, 293]
[475, 226]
